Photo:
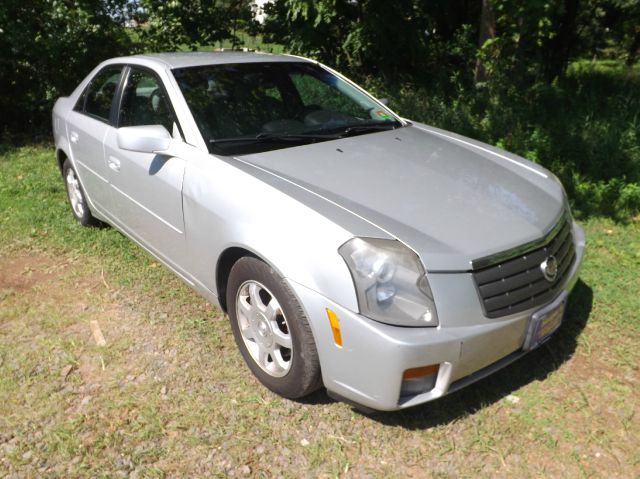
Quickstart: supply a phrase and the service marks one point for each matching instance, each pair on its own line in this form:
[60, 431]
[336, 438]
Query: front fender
[229, 205]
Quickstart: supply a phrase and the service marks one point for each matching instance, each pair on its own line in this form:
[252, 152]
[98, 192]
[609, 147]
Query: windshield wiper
[370, 127]
[323, 134]
[355, 128]
[275, 137]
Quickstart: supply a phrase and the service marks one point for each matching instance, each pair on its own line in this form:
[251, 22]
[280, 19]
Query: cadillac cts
[390, 261]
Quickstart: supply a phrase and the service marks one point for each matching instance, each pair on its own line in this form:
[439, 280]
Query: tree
[623, 20]
[487, 32]
[192, 24]
[375, 37]
[47, 47]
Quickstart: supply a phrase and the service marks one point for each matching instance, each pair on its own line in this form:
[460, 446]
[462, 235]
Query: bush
[584, 127]
[47, 48]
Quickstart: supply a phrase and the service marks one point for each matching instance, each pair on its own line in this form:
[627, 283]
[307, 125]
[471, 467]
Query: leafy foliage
[435, 40]
[590, 140]
[376, 36]
[172, 25]
[47, 47]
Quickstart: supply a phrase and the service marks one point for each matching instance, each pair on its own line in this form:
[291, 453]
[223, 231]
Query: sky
[259, 3]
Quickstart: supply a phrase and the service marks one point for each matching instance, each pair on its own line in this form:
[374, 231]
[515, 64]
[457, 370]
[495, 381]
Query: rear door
[87, 126]
[146, 189]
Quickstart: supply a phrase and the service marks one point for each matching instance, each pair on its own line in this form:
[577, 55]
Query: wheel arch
[227, 259]
[61, 155]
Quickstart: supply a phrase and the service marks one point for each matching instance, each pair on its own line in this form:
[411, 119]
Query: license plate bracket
[545, 322]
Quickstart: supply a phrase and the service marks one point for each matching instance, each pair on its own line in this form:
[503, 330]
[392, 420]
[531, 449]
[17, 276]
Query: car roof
[191, 59]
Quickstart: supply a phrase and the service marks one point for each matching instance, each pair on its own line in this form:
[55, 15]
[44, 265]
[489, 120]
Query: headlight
[390, 282]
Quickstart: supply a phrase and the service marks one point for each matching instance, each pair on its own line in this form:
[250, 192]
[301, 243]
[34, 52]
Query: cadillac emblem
[549, 268]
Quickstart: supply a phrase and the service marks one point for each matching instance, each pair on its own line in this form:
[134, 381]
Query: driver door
[146, 189]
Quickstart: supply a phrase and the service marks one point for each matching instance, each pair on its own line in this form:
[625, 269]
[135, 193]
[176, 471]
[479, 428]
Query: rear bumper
[467, 346]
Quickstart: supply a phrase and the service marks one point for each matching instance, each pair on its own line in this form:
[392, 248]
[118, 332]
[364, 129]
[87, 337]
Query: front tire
[271, 330]
[76, 196]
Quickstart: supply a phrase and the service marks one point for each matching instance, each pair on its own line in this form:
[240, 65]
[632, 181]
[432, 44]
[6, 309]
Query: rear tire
[76, 196]
[271, 330]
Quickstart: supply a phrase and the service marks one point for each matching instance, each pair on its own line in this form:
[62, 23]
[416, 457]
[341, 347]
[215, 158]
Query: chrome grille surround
[513, 281]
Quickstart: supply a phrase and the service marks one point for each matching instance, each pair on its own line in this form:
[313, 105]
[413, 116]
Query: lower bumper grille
[521, 283]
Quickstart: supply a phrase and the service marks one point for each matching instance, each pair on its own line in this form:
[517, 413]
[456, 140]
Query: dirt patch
[21, 273]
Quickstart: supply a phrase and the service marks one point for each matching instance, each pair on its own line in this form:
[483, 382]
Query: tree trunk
[633, 50]
[487, 31]
[557, 53]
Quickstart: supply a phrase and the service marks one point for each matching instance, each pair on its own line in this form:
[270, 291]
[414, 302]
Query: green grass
[169, 395]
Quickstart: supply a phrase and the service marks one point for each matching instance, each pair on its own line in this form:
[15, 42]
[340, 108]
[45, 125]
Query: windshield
[245, 108]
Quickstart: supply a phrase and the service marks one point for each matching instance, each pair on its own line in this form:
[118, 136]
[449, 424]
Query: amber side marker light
[419, 380]
[414, 373]
[335, 327]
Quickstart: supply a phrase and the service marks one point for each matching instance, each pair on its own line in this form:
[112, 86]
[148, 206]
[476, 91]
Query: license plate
[545, 322]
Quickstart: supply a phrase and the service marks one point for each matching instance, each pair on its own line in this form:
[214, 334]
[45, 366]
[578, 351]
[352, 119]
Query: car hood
[451, 199]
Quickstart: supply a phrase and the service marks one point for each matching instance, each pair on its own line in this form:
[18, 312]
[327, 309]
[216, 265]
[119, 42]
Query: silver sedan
[386, 260]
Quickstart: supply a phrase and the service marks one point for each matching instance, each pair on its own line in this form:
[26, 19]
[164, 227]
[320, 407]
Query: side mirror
[145, 139]
[384, 101]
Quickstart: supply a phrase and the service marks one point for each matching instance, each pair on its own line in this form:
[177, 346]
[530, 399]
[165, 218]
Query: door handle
[113, 163]
[73, 136]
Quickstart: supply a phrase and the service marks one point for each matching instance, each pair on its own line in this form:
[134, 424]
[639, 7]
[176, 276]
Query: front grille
[517, 284]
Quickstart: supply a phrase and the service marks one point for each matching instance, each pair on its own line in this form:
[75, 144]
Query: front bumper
[467, 346]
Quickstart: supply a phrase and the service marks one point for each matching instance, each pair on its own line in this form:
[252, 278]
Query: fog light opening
[419, 380]
[335, 327]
